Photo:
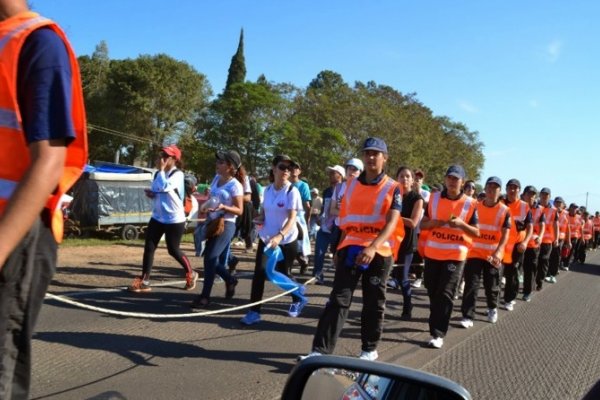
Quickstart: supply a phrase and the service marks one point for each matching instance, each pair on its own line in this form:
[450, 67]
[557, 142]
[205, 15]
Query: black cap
[573, 205]
[494, 179]
[514, 182]
[559, 199]
[231, 157]
[456, 171]
[283, 157]
[530, 188]
[545, 190]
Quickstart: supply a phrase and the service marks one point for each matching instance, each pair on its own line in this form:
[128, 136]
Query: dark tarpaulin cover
[107, 202]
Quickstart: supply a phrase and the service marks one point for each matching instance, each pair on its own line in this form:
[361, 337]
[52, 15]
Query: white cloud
[553, 50]
[468, 107]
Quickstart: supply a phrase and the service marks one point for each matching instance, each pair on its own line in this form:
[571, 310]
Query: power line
[120, 134]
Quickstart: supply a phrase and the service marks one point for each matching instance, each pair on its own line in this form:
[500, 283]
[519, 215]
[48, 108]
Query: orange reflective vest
[14, 159]
[363, 215]
[563, 223]
[491, 220]
[576, 225]
[596, 221]
[447, 243]
[588, 229]
[536, 215]
[550, 216]
[518, 213]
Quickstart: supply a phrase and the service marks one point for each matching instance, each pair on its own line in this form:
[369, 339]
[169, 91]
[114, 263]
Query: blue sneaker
[296, 308]
[251, 318]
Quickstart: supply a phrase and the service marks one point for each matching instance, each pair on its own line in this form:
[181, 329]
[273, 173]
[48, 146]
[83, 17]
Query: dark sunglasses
[469, 187]
[284, 167]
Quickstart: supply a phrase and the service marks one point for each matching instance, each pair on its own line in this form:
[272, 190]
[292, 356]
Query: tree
[237, 68]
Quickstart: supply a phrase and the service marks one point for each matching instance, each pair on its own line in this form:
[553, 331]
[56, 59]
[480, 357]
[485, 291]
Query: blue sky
[524, 74]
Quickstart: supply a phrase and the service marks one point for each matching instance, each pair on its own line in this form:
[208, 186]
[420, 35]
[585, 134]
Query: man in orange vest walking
[43, 129]
[450, 223]
[520, 233]
[530, 260]
[576, 228]
[564, 239]
[596, 221]
[550, 238]
[372, 231]
[486, 254]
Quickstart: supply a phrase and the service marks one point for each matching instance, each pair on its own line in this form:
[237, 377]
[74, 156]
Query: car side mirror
[345, 378]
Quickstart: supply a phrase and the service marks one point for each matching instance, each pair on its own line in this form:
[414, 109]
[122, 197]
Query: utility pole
[586, 199]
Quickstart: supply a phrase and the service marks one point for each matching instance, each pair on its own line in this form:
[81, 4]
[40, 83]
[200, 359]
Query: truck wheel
[129, 232]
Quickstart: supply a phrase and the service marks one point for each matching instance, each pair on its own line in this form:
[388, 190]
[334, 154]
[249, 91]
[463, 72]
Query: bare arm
[30, 196]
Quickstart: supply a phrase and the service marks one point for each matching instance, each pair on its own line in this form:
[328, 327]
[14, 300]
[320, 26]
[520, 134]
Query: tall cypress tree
[237, 68]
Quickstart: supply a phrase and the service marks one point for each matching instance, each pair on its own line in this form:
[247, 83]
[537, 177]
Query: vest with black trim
[491, 220]
[518, 212]
[14, 153]
[550, 216]
[575, 224]
[536, 215]
[563, 223]
[363, 215]
[446, 243]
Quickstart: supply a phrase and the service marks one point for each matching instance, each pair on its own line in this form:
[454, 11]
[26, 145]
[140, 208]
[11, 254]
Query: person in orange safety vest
[486, 254]
[520, 232]
[564, 239]
[596, 221]
[575, 225]
[530, 260]
[587, 231]
[43, 129]
[450, 221]
[549, 239]
[372, 231]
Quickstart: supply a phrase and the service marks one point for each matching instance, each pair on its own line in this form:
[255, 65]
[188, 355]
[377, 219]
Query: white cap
[355, 162]
[314, 190]
[339, 169]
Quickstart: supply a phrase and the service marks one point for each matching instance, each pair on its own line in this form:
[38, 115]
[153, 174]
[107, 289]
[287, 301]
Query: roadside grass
[107, 241]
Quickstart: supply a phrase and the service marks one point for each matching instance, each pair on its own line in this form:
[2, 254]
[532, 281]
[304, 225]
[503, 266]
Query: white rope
[109, 311]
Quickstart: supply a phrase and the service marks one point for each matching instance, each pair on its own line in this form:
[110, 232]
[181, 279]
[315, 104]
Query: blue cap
[545, 190]
[515, 182]
[559, 199]
[376, 144]
[530, 188]
[456, 171]
[494, 179]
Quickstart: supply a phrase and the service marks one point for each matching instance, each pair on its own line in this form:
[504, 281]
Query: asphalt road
[545, 349]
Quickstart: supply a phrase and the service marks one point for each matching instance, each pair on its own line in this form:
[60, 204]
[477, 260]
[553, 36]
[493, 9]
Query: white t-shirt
[276, 205]
[226, 192]
[338, 194]
[247, 187]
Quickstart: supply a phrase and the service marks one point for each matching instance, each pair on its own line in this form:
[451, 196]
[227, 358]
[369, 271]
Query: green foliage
[237, 68]
[158, 100]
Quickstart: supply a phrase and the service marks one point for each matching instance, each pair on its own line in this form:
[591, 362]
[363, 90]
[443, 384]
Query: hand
[149, 193]
[162, 163]
[455, 222]
[569, 245]
[275, 240]
[538, 240]
[495, 260]
[365, 256]
[521, 247]
[555, 244]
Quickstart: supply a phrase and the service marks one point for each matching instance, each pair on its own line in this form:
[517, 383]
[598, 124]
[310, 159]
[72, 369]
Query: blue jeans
[323, 240]
[405, 284]
[215, 258]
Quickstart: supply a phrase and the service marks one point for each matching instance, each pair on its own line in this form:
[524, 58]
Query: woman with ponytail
[223, 207]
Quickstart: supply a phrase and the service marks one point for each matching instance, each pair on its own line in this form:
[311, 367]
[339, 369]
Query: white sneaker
[417, 283]
[368, 355]
[392, 283]
[311, 354]
[493, 315]
[548, 279]
[509, 306]
[436, 342]
[466, 323]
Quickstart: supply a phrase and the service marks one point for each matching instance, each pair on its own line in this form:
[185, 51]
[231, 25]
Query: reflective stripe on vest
[549, 234]
[447, 243]
[489, 234]
[25, 25]
[366, 219]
